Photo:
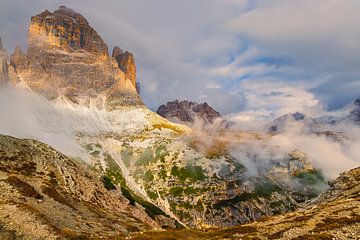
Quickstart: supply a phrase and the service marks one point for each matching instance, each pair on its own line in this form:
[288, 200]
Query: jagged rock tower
[66, 57]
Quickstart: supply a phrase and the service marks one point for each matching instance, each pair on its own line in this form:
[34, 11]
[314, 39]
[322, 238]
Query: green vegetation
[114, 174]
[310, 178]
[163, 173]
[113, 171]
[107, 183]
[127, 156]
[161, 152]
[266, 188]
[146, 157]
[152, 195]
[148, 176]
[176, 191]
[311, 184]
[193, 173]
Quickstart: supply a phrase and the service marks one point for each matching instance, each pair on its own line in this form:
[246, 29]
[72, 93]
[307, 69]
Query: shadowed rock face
[4, 66]
[185, 111]
[66, 57]
[126, 63]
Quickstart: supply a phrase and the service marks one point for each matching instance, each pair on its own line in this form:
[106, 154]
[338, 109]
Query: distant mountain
[311, 124]
[354, 115]
[188, 112]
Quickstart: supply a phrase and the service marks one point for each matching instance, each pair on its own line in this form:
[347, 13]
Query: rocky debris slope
[205, 185]
[334, 215]
[66, 57]
[188, 112]
[44, 195]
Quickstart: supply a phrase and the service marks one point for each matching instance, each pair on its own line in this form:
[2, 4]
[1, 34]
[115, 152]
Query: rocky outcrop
[45, 195]
[64, 29]
[66, 57]
[7, 72]
[126, 63]
[334, 215]
[188, 112]
[4, 64]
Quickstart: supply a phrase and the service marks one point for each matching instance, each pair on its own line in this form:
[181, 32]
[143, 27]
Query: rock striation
[46, 195]
[188, 112]
[66, 57]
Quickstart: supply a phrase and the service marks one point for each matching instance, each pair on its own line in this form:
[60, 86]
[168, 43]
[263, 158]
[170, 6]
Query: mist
[27, 115]
[330, 148]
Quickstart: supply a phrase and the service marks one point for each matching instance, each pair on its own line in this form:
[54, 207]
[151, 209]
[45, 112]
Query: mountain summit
[67, 58]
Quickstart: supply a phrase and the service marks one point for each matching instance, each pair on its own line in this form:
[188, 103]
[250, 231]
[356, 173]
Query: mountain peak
[66, 57]
[64, 29]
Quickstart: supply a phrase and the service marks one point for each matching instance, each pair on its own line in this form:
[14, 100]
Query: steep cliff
[66, 57]
[126, 63]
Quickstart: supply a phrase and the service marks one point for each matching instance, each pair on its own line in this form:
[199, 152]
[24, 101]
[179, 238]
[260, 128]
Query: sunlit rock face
[126, 63]
[66, 57]
[7, 73]
[4, 66]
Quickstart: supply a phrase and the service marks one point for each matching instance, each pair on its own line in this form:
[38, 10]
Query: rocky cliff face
[126, 63]
[4, 64]
[7, 73]
[188, 112]
[66, 57]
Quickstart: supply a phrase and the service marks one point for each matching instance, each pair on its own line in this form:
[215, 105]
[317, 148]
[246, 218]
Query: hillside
[333, 215]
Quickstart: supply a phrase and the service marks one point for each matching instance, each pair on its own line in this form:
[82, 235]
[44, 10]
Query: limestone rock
[126, 63]
[66, 57]
[45, 195]
[65, 29]
[4, 64]
[334, 215]
[188, 112]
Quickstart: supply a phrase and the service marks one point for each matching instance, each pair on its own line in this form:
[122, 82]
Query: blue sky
[234, 54]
